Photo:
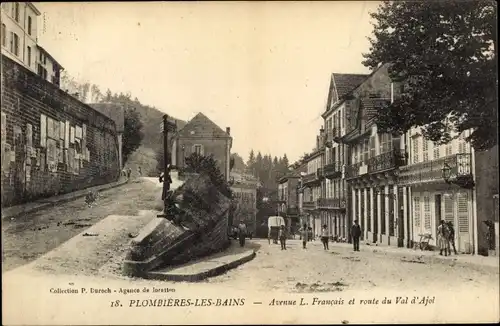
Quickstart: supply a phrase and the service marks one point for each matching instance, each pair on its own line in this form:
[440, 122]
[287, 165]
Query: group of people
[128, 172]
[446, 238]
[325, 235]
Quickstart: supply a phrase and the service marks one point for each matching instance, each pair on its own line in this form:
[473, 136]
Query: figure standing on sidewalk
[443, 238]
[282, 236]
[356, 234]
[304, 235]
[325, 236]
[129, 172]
[139, 170]
[242, 233]
[451, 238]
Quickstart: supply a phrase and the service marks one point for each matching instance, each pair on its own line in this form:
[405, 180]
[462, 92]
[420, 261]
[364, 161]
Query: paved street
[27, 237]
[340, 268]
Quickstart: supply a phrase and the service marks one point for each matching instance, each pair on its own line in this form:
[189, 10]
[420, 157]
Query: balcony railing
[334, 203]
[352, 171]
[309, 205]
[333, 170]
[313, 178]
[386, 161]
[432, 171]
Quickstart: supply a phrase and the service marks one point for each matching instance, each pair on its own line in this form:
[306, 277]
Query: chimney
[228, 130]
[321, 136]
[317, 142]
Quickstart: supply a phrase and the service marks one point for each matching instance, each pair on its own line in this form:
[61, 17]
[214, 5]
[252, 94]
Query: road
[29, 236]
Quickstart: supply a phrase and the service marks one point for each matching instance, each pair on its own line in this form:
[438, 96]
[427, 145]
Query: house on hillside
[201, 135]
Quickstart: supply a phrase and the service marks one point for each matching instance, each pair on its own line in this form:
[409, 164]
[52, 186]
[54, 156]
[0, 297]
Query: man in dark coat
[356, 234]
[165, 177]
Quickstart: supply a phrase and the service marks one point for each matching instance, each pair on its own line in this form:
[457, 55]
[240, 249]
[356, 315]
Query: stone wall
[51, 142]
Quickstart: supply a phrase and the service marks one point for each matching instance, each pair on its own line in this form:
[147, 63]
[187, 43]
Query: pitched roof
[202, 127]
[344, 83]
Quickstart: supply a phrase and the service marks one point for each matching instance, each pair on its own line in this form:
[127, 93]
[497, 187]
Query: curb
[202, 275]
[46, 203]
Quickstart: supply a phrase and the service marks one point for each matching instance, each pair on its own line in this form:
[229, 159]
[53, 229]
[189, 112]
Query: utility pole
[165, 127]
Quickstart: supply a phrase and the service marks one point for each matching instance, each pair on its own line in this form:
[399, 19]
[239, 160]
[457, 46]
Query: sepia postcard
[249, 162]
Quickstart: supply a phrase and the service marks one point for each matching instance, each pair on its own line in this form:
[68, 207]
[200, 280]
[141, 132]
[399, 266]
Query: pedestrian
[139, 170]
[443, 238]
[304, 236]
[129, 172]
[282, 236]
[356, 234]
[451, 238]
[242, 232]
[325, 236]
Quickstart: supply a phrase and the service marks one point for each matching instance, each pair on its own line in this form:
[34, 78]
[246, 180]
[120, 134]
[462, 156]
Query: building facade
[288, 201]
[429, 195]
[202, 136]
[20, 28]
[312, 185]
[244, 188]
[333, 204]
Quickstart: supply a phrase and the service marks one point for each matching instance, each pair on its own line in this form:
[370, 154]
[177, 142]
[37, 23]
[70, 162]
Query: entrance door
[463, 223]
[437, 210]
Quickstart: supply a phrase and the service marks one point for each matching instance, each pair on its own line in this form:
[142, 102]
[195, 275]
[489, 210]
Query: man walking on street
[282, 236]
[304, 235]
[356, 234]
[242, 233]
[325, 236]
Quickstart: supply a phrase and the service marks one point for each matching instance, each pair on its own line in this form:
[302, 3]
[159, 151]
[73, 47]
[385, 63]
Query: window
[436, 150]
[14, 43]
[15, 10]
[416, 211]
[448, 149]
[425, 150]
[4, 35]
[462, 144]
[28, 56]
[372, 146]
[385, 143]
[42, 71]
[198, 149]
[415, 149]
[30, 25]
[366, 150]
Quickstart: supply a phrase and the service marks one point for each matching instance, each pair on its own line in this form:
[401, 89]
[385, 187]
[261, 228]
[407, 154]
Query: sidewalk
[13, 211]
[427, 256]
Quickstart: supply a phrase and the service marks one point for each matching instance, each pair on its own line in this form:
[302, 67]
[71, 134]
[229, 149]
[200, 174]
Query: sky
[261, 68]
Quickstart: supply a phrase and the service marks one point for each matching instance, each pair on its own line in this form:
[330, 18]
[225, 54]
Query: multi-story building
[438, 184]
[288, 201]
[333, 203]
[313, 189]
[201, 135]
[20, 30]
[374, 159]
[244, 187]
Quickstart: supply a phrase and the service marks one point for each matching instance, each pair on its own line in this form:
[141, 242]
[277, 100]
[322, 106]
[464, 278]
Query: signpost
[166, 127]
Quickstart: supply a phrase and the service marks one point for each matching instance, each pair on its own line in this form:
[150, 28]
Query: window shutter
[416, 211]
[427, 214]
[463, 213]
[448, 209]
[202, 151]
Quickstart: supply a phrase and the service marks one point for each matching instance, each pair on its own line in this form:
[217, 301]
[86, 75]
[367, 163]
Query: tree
[444, 55]
[132, 133]
[201, 164]
[239, 165]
